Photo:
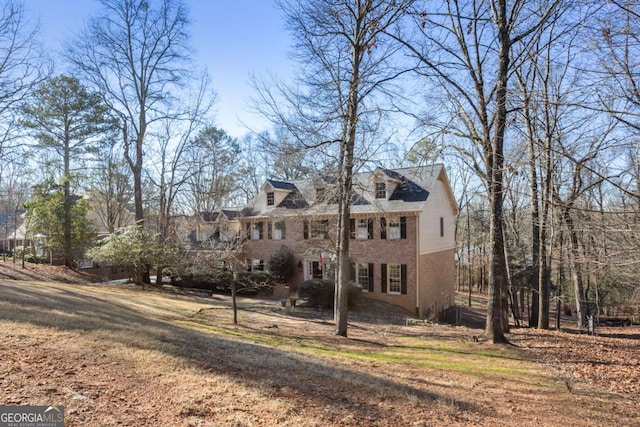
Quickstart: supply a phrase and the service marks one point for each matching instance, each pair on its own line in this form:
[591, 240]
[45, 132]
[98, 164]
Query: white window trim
[365, 267]
[317, 226]
[308, 269]
[255, 264]
[394, 229]
[277, 231]
[362, 229]
[382, 184]
[390, 278]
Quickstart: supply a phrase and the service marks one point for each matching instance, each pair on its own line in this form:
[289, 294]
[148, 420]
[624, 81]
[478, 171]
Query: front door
[313, 270]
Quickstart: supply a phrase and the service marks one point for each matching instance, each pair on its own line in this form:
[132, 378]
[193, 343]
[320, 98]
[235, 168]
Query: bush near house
[193, 277]
[283, 264]
[255, 282]
[217, 280]
[320, 293]
[29, 255]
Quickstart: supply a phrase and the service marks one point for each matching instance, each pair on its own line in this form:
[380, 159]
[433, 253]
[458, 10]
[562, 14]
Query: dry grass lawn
[121, 355]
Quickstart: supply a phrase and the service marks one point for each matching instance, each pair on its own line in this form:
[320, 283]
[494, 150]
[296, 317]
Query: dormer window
[271, 199]
[381, 190]
[320, 195]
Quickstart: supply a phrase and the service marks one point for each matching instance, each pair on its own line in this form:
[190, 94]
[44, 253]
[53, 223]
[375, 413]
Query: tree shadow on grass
[123, 320]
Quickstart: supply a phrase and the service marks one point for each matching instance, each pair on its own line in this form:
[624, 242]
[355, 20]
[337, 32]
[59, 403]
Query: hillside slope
[122, 355]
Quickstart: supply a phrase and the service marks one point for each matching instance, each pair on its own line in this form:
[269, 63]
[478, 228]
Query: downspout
[418, 314]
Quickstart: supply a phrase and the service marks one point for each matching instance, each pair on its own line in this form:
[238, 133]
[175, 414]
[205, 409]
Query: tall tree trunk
[136, 170]
[469, 272]
[495, 327]
[535, 221]
[68, 261]
[576, 271]
[347, 147]
[344, 207]
[544, 275]
[234, 297]
[507, 296]
[135, 163]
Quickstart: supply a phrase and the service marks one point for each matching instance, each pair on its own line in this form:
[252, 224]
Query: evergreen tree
[48, 214]
[68, 120]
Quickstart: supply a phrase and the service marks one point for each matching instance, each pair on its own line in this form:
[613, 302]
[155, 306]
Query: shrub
[135, 250]
[321, 293]
[214, 279]
[283, 264]
[254, 282]
[202, 278]
[32, 258]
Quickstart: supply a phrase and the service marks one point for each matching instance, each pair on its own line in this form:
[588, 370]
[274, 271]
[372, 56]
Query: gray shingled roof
[231, 213]
[281, 185]
[407, 191]
[294, 200]
[412, 191]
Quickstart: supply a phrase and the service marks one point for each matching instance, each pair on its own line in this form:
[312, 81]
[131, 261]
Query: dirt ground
[121, 355]
[13, 270]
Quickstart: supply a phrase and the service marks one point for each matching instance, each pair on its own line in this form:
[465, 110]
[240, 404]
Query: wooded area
[532, 105]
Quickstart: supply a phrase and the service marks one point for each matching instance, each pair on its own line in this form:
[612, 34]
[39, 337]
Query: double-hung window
[393, 231]
[381, 190]
[276, 230]
[271, 198]
[364, 276]
[256, 265]
[395, 278]
[393, 228]
[362, 230]
[316, 229]
[256, 231]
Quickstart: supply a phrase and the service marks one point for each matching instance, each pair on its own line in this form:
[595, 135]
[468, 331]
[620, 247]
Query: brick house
[402, 231]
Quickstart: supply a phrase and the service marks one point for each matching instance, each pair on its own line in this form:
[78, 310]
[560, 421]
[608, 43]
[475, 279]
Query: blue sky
[231, 38]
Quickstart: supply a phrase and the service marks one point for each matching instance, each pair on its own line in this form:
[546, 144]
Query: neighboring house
[402, 229]
[215, 230]
[109, 217]
[106, 218]
[11, 229]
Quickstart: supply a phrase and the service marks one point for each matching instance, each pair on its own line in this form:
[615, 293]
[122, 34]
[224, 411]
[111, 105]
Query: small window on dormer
[271, 199]
[381, 190]
[320, 195]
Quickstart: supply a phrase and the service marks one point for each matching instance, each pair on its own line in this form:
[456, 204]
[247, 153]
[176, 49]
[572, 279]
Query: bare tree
[136, 54]
[289, 161]
[173, 168]
[253, 166]
[466, 48]
[215, 178]
[110, 191]
[617, 45]
[22, 67]
[346, 70]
